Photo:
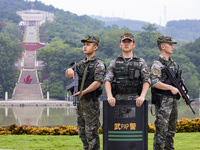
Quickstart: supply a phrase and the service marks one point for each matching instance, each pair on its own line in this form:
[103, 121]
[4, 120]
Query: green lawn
[183, 141]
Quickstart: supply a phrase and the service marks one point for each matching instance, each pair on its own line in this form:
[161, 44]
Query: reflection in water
[28, 115]
[62, 115]
[37, 115]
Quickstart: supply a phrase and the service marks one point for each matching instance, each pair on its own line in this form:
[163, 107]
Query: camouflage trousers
[88, 123]
[165, 123]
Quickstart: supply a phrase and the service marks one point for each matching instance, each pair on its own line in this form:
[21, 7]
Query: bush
[40, 76]
[187, 125]
[183, 125]
[17, 130]
[152, 128]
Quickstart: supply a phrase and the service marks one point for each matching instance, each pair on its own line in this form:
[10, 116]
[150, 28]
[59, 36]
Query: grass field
[183, 141]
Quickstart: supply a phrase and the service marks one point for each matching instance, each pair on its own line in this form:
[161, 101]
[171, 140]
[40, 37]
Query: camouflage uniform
[88, 110]
[144, 71]
[167, 113]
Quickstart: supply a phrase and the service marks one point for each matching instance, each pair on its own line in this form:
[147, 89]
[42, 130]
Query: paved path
[31, 34]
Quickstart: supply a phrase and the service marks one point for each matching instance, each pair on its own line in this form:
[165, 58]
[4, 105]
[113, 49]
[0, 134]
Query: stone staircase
[28, 91]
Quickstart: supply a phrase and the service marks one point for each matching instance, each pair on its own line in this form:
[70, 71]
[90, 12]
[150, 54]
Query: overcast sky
[153, 11]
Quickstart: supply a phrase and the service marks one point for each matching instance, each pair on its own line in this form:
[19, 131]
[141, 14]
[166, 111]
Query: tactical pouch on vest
[125, 89]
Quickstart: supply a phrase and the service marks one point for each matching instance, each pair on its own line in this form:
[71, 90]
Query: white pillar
[47, 95]
[6, 112]
[47, 111]
[6, 96]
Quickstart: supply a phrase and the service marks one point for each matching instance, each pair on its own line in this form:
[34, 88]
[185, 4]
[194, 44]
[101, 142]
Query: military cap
[165, 39]
[125, 36]
[92, 39]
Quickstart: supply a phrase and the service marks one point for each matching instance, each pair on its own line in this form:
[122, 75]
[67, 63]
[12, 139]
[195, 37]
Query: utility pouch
[114, 91]
[156, 98]
[137, 74]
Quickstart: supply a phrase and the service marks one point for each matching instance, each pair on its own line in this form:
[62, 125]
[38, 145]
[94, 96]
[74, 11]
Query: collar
[165, 61]
[91, 59]
[133, 57]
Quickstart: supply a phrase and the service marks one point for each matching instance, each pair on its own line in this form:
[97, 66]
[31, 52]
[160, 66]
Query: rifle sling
[83, 81]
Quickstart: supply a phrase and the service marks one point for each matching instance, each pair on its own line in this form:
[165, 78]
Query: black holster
[94, 95]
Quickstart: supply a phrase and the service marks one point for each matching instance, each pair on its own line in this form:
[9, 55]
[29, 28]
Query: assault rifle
[178, 83]
[73, 87]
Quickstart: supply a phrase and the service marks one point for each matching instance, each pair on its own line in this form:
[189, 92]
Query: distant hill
[78, 26]
[187, 30]
[134, 25]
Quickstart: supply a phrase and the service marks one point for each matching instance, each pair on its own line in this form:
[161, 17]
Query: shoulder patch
[147, 69]
[156, 72]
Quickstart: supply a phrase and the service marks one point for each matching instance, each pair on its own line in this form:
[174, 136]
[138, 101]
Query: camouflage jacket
[142, 64]
[156, 69]
[98, 70]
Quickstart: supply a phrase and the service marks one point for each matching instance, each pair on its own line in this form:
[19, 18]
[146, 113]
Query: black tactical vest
[89, 79]
[165, 79]
[171, 65]
[127, 76]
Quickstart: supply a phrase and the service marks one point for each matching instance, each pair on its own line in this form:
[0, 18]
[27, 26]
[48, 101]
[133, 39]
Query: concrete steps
[27, 92]
[27, 72]
[32, 90]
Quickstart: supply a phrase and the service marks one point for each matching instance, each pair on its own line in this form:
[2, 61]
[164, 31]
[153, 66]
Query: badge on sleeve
[156, 72]
[147, 69]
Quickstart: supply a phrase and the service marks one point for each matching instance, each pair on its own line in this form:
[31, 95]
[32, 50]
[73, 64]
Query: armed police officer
[127, 77]
[91, 72]
[164, 96]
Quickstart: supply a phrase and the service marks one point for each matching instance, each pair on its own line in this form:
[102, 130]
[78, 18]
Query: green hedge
[40, 76]
[183, 125]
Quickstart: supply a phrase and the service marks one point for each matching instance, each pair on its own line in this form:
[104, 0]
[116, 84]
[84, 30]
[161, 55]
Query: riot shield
[125, 126]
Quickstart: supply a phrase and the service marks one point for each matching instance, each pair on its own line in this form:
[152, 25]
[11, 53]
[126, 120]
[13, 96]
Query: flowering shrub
[187, 125]
[62, 130]
[183, 125]
[152, 128]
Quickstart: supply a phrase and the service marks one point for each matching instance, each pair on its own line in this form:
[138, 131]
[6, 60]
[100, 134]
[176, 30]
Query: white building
[35, 17]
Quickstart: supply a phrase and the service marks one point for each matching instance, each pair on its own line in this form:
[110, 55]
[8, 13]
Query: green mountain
[134, 25]
[187, 30]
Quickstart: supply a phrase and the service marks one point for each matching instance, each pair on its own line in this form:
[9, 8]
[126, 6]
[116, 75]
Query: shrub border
[183, 125]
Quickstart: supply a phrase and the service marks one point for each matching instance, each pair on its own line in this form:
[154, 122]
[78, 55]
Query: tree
[147, 38]
[1, 91]
[11, 31]
[10, 17]
[192, 51]
[9, 54]
[54, 86]
[56, 58]
[189, 74]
